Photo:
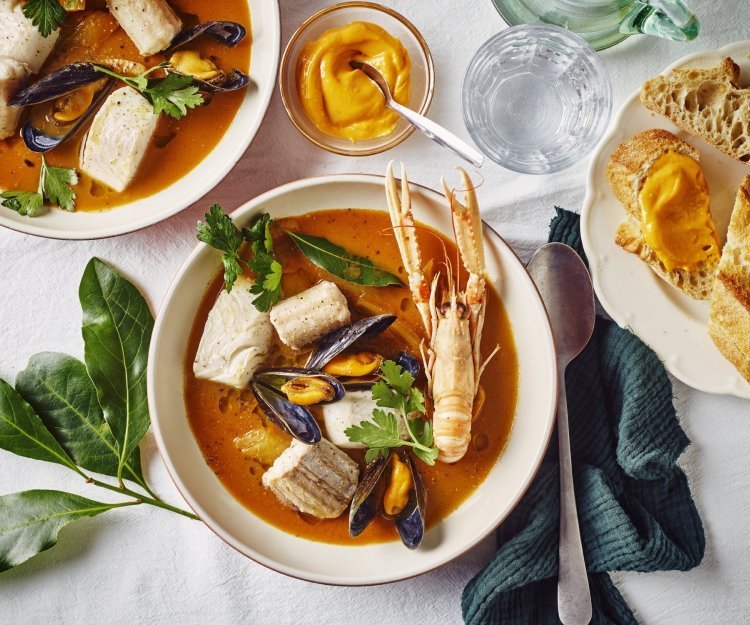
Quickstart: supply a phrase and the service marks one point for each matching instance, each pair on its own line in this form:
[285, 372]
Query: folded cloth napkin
[634, 503]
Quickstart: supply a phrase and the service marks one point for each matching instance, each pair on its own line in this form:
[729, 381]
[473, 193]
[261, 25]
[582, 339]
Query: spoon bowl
[565, 286]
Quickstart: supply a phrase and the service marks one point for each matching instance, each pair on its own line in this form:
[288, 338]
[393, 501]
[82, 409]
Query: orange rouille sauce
[178, 145]
[218, 414]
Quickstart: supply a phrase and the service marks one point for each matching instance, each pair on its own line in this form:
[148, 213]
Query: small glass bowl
[536, 99]
[422, 73]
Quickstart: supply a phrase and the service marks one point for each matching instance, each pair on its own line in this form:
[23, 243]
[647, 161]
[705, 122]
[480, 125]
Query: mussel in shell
[283, 395]
[337, 341]
[404, 359]
[57, 83]
[392, 488]
[61, 103]
[229, 34]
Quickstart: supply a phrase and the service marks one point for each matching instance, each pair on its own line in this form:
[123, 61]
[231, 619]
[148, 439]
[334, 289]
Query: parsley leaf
[219, 232]
[267, 269]
[26, 203]
[54, 185]
[173, 95]
[395, 390]
[374, 452]
[268, 272]
[57, 183]
[46, 15]
[380, 433]
[259, 234]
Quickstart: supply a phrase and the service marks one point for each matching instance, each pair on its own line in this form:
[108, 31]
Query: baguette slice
[626, 172]
[707, 103]
[729, 323]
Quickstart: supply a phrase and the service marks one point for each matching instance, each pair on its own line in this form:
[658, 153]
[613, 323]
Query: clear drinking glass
[536, 99]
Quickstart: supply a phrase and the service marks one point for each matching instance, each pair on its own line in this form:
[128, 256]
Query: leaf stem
[145, 487]
[155, 501]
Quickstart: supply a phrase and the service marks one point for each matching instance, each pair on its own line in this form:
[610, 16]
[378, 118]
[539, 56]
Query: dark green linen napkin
[634, 503]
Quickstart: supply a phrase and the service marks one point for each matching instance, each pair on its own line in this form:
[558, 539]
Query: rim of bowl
[217, 177]
[604, 115]
[285, 67]
[208, 520]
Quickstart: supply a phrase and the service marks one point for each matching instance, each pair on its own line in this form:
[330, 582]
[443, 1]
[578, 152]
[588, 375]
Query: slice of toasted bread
[626, 172]
[707, 103]
[729, 323]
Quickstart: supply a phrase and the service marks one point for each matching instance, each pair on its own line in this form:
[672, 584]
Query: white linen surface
[143, 565]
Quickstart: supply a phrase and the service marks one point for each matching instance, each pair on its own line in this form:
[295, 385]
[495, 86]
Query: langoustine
[453, 319]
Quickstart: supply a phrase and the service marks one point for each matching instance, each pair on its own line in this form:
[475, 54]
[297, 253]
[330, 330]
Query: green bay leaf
[23, 432]
[341, 263]
[31, 520]
[117, 326]
[59, 389]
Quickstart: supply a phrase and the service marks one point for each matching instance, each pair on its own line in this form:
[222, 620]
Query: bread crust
[707, 103]
[729, 321]
[626, 173]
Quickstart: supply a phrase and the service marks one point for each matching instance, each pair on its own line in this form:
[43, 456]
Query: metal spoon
[565, 286]
[434, 131]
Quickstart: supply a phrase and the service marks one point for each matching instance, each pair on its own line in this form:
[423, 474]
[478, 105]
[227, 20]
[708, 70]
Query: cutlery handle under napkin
[573, 595]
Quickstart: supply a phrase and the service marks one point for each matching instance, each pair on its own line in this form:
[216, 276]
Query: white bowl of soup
[185, 158]
[197, 422]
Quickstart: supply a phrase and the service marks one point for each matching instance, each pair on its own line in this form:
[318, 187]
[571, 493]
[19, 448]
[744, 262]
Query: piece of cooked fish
[118, 138]
[151, 24]
[20, 39]
[319, 479]
[235, 340]
[354, 408]
[13, 75]
[310, 315]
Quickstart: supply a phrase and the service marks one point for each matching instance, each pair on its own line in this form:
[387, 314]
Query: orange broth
[219, 414]
[178, 145]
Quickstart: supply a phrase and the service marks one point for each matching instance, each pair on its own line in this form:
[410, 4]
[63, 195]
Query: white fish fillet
[151, 24]
[352, 409]
[310, 315]
[118, 138]
[20, 39]
[13, 75]
[319, 479]
[235, 340]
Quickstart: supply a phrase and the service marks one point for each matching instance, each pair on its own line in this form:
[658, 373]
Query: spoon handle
[439, 134]
[573, 595]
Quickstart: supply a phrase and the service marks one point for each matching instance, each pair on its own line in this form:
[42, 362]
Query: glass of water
[536, 99]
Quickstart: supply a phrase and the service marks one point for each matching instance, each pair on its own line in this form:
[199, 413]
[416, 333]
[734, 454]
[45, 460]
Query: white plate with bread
[654, 249]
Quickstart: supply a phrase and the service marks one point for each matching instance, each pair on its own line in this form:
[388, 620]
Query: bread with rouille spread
[707, 103]
[626, 173]
[729, 323]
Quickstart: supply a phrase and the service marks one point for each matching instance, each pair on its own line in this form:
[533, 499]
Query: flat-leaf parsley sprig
[46, 15]
[219, 232]
[173, 95]
[54, 185]
[396, 390]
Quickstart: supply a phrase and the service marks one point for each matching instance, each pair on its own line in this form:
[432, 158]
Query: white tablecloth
[142, 565]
